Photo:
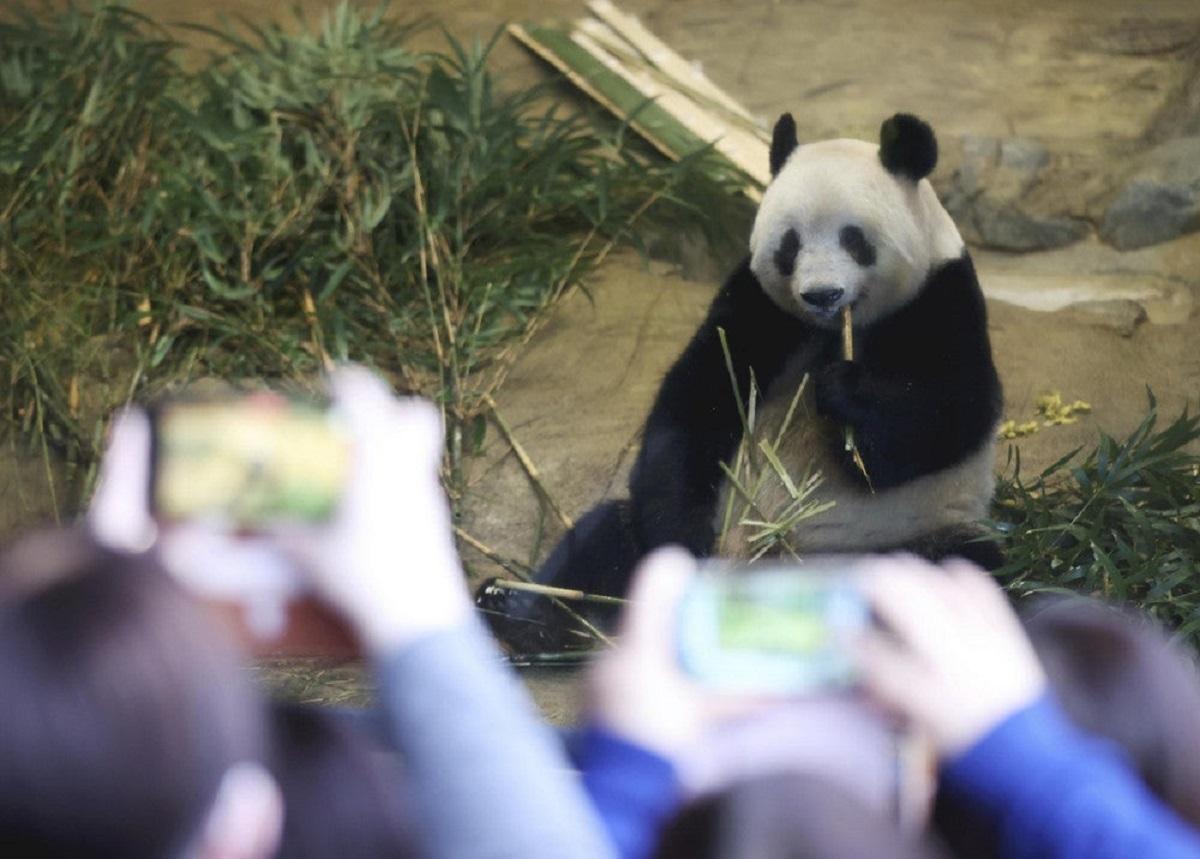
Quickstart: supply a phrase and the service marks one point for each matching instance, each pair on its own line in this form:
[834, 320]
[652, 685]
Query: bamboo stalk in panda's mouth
[848, 354]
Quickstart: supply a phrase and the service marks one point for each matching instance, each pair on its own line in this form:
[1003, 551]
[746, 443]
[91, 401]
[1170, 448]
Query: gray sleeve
[489, 778]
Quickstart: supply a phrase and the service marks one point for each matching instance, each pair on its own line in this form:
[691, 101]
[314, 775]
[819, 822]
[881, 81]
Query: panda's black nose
[823, 298]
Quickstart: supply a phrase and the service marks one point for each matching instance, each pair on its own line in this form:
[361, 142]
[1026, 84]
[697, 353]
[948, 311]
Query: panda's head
[845, 222]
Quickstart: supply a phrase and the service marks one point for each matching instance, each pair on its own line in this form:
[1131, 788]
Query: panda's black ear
[907, 147]
[783, 142]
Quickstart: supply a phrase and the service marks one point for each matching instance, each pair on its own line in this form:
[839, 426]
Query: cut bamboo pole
[608, 89]
[747, 152]
[662, 55]
[615, 60]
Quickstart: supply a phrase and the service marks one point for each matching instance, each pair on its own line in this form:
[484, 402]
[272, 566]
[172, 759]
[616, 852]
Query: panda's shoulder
[945, 324]
[949, 298]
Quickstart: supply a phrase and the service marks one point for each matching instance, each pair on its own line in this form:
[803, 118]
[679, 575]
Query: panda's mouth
[830, 313]
[824, 312]
[824, 303]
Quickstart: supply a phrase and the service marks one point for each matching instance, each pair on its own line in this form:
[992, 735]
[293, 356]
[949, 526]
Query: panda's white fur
[821, 188]
[826, 185]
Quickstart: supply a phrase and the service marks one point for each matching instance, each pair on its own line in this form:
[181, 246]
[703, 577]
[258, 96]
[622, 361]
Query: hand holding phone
[375, 546]
[243, 577]
[956, 661]
[387, 558]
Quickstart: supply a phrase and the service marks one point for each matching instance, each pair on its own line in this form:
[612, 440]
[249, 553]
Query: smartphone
[775, 629]
[247, 462]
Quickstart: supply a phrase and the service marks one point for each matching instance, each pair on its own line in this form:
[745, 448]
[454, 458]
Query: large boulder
[1160, 197]
[992, 195]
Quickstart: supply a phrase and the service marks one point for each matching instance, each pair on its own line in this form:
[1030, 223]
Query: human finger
[893, 677]
[375, 416]
[908, 597]
[981, 596]
[658, 584]
[119, 513]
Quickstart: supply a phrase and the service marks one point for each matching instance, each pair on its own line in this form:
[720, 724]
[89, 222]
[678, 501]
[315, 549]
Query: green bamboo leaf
[223, 290]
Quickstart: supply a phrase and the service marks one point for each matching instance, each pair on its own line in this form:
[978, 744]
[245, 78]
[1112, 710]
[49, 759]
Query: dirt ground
[1087, 78]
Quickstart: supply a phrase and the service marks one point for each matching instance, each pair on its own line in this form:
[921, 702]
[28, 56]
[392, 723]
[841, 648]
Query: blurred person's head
[341, 792]
[1118, 676]
[127, 727]
[785, 816]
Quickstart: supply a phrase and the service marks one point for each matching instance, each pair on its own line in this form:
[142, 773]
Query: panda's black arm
[694, 423]
[924, 393]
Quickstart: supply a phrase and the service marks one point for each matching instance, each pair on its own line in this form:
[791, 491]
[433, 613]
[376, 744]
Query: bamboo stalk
[508, 564]
[848, 354]
[531, 470]
[561, 593]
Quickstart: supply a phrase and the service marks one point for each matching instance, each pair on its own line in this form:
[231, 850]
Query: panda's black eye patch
[785, 254]
[854, 242]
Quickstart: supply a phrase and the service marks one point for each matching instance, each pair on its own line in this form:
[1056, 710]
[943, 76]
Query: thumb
[376, 418]
[119, 513]
[659, 582]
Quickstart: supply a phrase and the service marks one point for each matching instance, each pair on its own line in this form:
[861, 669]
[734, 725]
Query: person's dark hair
[121, 707]
[342, 794]
[1117, 675]
[786, 816]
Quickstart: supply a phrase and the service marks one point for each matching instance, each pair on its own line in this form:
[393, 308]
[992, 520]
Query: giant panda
[843, 223]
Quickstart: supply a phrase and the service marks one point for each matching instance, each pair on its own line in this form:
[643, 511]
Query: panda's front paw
[839, 390]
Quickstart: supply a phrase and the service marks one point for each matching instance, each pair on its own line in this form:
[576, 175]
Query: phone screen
[794, 623]
[247, 462]
[773, 629]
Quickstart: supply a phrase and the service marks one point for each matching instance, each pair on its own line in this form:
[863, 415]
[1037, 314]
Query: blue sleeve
[1053, 791]
[634, 790]
[489, 779]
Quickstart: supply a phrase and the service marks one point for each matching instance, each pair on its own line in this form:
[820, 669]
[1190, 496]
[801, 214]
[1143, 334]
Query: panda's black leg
[597, 556]
[970, 544]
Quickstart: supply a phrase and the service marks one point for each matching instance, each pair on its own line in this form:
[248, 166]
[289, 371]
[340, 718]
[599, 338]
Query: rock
[1004, 226]
[1122, 315]
[979, 157]
[1160, 199]
[1143, 37]
[1023, 155]
[1179, 115]
[989, 196]
[1001, 167]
